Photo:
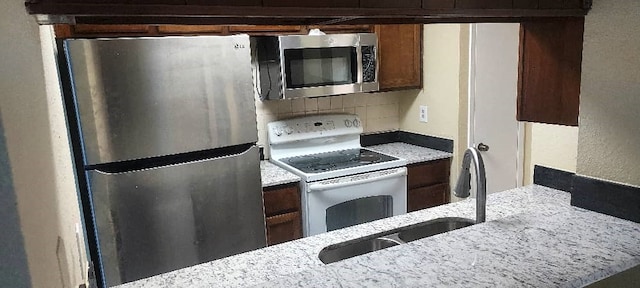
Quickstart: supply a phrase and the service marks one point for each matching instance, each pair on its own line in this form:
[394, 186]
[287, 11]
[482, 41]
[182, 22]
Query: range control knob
[347, 123]
[277, 131]
[288, 130]
[356, 123]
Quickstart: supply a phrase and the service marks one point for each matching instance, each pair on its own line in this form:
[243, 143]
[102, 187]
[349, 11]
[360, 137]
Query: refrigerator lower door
[162, 219]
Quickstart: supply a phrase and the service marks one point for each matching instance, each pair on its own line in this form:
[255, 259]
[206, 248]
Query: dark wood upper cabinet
[525, 4]
[300, 12]
[484, 4]
[438, 4]
[315, 3]
[400, 54]
[550, 71]
[391, 3]
[225, 2]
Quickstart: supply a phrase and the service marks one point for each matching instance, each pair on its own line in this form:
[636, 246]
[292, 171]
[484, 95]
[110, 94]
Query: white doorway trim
[520, 160]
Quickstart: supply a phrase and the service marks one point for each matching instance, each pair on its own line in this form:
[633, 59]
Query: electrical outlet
[423, 113]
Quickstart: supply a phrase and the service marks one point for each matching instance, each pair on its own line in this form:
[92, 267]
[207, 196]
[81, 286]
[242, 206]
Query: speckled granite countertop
[273, 175]
[412, 153]
[533, 238]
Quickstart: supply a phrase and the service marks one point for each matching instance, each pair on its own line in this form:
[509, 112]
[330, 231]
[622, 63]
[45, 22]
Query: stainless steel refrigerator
[166, 133]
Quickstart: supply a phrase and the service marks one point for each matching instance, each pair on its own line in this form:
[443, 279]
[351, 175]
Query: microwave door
[320, 65]
[321, 71]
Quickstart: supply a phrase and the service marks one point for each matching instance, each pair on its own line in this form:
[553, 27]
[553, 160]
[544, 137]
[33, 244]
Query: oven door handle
[320, 187]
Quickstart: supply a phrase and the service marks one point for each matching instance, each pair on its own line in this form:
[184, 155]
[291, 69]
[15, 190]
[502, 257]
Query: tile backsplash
[377, 111]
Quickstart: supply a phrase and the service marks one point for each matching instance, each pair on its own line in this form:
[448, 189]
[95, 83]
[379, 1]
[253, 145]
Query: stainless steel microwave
[297, 66]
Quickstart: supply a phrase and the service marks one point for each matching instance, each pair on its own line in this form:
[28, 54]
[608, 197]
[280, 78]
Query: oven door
[342, 202]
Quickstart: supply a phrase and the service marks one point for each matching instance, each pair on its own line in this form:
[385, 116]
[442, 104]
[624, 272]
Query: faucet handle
[483, 147]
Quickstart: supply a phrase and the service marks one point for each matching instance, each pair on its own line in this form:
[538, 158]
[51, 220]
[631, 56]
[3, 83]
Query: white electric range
[343, 184]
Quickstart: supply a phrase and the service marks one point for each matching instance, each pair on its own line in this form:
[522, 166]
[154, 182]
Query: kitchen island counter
[533, 238]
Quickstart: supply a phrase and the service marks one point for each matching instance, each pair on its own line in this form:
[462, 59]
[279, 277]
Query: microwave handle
[321, 187]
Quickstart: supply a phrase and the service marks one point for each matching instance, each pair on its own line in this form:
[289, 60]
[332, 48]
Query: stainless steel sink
[350, 249]
[360, 246]
[433, 227]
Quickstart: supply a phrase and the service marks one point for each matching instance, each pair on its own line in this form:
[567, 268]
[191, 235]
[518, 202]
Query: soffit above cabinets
[297, 12]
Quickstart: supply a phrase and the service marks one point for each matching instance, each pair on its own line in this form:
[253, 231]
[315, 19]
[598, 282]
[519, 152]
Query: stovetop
[336, 160]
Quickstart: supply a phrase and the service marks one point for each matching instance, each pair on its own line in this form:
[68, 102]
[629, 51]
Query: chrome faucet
[463, 186]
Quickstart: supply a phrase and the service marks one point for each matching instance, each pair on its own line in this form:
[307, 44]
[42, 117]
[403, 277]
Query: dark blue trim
[553, 178]
[605, 197]
[432, 142]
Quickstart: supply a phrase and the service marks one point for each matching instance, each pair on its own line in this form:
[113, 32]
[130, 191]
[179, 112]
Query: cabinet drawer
[426, 197]
[429, 173]
[281, 200]
[284, 227]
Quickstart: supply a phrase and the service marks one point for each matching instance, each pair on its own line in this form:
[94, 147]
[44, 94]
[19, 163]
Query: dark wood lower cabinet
[427, 197]
[282, 213]
[284, 227]
[428, 184]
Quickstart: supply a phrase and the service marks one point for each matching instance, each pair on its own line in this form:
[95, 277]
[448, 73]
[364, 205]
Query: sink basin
[433, 227]
[341, 251]
[360, 246]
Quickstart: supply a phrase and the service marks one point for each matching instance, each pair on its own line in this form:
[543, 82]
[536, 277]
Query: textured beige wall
[38, 149]
[609, 137]
[445, 71]
[378, 111]
[441, 72]
[553, 146]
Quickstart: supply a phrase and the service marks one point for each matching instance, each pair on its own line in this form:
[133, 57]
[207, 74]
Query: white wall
[38, 151]
[609, 137]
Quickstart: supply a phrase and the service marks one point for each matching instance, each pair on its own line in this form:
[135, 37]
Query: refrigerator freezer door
[162, 219]
[146, 97]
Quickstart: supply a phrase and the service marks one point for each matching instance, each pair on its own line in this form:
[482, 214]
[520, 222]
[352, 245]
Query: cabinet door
[429, 173]
[280, 201]
[426, 197]
[400, 50]
[485, 4]
[189, 29]
[284, 227]
[273, 29]
[549, 72]
[110, 30]
[315, 3]
[390, 4]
